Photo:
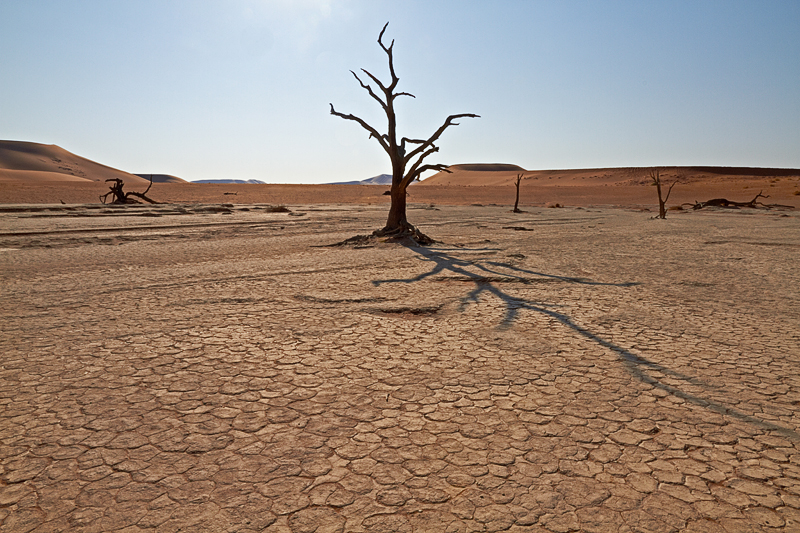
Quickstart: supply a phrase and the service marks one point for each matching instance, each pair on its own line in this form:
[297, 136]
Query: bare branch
[369, 89]
[376, 80]
[380, 37]
[372, 131]
[669, 191]
[414, 171]
[388, 51]
[447, 123]
[424, 168]
[151, 184]
[142, 196]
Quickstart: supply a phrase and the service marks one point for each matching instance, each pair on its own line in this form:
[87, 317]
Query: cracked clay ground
[217, 369]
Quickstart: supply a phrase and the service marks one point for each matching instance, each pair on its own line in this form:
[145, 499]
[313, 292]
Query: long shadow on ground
[490, 272]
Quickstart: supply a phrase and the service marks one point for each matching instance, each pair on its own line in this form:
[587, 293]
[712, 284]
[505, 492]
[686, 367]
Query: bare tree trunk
[662, 209]
[406, 165]
[516, 202]
[396, 222]
[662, 202]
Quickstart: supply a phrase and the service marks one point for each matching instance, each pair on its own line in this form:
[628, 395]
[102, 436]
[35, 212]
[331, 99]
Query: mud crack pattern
[627, 378]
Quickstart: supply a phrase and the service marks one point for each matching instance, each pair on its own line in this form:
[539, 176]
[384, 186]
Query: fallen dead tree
[122, 197]
[724, 202]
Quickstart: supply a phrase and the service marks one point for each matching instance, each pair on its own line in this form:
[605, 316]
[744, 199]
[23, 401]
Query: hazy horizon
[241, 90]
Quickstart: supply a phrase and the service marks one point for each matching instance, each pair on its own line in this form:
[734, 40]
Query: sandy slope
[494, 174]
[37, 173]
[39, 176]
[18, 156]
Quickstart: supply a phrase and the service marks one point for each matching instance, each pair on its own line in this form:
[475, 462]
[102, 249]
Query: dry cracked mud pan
[175, 369]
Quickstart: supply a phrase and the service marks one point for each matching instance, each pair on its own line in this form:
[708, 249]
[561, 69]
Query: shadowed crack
[314, 299]
[430, 310]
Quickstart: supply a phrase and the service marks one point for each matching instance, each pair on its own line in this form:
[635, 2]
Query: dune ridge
[40, 176]
[501, 174]
[161, 178]
[18, 159]
[32, 173]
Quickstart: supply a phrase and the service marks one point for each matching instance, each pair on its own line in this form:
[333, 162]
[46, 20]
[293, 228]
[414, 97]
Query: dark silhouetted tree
[516, 202]
[662, 203]
[406, 154]
[121, 197]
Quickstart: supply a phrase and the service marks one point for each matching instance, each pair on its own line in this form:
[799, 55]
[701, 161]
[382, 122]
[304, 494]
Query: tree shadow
[485, 275]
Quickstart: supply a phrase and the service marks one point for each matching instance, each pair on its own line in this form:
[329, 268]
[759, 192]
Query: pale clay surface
[215, 369]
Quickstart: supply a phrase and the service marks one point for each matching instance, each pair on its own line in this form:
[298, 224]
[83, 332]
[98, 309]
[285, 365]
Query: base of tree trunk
[408, 236]
[405, 234]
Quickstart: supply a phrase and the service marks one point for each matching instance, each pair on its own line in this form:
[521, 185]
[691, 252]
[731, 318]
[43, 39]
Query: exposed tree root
[357, 241]
[407, 236]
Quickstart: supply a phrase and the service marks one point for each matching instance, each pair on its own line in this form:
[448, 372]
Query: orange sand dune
[39, 176]
[489, 174]
[42, 174]
[630, 187]
[498, 174]
[18, 156]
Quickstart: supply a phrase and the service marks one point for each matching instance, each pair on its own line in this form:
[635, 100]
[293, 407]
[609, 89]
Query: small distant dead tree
[406, 164]
[121, 197]
[662, 203]
[516, 202]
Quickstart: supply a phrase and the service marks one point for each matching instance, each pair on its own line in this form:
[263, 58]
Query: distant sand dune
[38, 173]
[162, 178]
[499, 174]
[487, 167]
[54, 160]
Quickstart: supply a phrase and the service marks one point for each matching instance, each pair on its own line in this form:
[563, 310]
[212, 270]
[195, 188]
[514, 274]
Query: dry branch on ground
[724, 202]
[122, 197]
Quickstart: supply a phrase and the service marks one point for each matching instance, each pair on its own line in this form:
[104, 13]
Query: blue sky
[240, 88]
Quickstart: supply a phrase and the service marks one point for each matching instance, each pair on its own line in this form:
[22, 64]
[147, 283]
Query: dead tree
[121, 197]
[724, 202]
[406, 162]
[516, 202]
[662, 203]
